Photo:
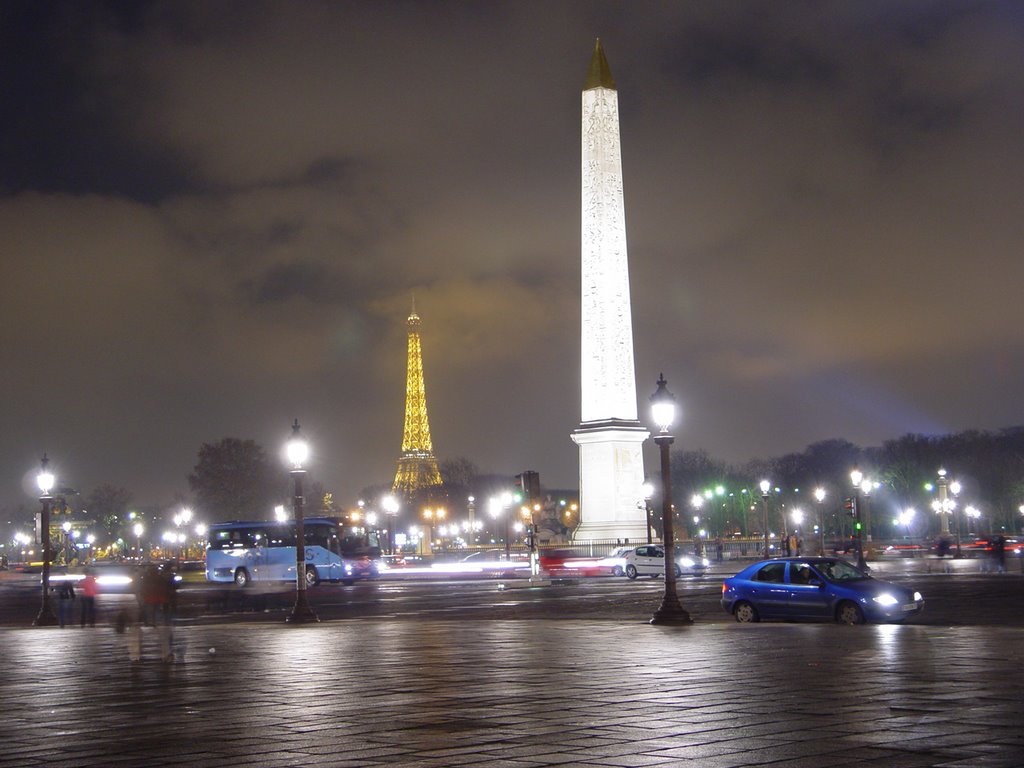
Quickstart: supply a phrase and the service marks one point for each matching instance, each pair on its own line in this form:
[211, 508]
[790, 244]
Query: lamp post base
[45, 619]
[302, 613]
[671, 612]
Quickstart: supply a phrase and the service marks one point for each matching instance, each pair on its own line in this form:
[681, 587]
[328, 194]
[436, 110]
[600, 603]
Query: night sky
[214, 217]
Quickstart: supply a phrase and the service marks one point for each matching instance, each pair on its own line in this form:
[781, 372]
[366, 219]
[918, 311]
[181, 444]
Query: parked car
[816, 589]
[649, 560]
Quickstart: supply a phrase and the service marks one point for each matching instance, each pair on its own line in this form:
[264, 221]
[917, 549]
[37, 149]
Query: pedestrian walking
[65, 599]
[90, 588]
[999, 552]
[154, 595]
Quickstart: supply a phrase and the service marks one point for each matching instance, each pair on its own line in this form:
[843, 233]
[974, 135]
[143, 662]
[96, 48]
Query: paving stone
[508, 694]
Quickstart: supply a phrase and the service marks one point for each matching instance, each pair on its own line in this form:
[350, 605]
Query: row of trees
[988, 465]
[233, 478]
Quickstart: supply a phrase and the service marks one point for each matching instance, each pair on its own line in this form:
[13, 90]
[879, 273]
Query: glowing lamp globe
[45, 477]
[765, 487]
[663, 406]
[297, 449]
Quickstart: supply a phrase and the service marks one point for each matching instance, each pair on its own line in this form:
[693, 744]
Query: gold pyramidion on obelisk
[417, 466]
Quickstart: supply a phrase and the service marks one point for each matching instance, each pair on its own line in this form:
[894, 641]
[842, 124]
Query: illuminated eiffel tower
[417, 466]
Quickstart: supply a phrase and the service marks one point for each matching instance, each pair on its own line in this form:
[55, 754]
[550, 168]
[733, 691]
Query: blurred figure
[999, 553]
[65, 599]
[90, 588]
[154, 595]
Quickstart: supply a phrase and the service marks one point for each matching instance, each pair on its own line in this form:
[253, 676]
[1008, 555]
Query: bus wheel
[312, 578]
[242, 578]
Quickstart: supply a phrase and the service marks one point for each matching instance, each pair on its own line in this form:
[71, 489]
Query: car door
[650, 560]
[809, 596]
[768, 590]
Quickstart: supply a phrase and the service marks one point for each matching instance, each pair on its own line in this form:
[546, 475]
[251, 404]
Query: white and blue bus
[244, 552]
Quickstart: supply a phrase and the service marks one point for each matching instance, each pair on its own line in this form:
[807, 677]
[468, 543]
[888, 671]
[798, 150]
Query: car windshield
[839, 570]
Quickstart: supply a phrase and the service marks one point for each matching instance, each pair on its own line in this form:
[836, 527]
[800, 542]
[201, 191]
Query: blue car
[815, 589]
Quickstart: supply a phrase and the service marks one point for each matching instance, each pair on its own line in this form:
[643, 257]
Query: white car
[649, 560]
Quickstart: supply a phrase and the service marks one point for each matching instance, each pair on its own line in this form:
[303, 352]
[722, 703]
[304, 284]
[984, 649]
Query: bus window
[281, 536]
[318, 535]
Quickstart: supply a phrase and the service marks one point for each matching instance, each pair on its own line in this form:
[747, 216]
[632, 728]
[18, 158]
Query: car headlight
[686, 562]
[885, 599]
[705, 562]
[918, 597]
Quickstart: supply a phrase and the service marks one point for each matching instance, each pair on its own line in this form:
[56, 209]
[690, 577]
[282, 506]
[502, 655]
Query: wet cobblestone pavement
[515, 693]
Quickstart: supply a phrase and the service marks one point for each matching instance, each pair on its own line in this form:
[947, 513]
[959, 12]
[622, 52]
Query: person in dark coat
[65, 599]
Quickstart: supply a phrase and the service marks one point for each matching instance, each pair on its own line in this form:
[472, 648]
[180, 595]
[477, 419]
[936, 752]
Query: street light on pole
[697, 501]
[972, 513]
[942, 507]
[297, 452]
[663, 412]
[647, 489]
[45, 480]
[819, 496]
[390, 505]
[797, 516]
[954, 488]
[765, 488]
[857, 479]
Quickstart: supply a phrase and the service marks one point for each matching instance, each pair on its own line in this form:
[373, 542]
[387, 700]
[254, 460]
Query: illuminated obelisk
[609, 436]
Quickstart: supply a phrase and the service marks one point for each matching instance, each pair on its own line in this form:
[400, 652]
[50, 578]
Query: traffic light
[529, 484]
[851, 507]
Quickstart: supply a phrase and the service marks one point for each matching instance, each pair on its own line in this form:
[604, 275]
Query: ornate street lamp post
[942, 507]
[697, 501]
[648, 491]
[954, 488]
[45, 480]
[857, 478]
[765, 488]
[138, 529]
[663, 412]
[297, 452]
[391, 506]
[819, 496]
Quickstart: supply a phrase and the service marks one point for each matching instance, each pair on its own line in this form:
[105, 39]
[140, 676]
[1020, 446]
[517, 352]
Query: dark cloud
[216, 216]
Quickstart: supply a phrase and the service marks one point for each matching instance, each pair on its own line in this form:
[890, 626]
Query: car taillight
[724, 588]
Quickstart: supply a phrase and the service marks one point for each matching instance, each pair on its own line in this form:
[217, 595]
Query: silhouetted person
[65, 599]
[999, 552]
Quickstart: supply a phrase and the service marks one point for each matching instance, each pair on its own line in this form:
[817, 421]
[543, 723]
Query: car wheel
[849, 613]
[630, 571]
[679, 571]
[617, 571]
[348, 582]
[745, 613]
[242, 578]
[312, 577]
